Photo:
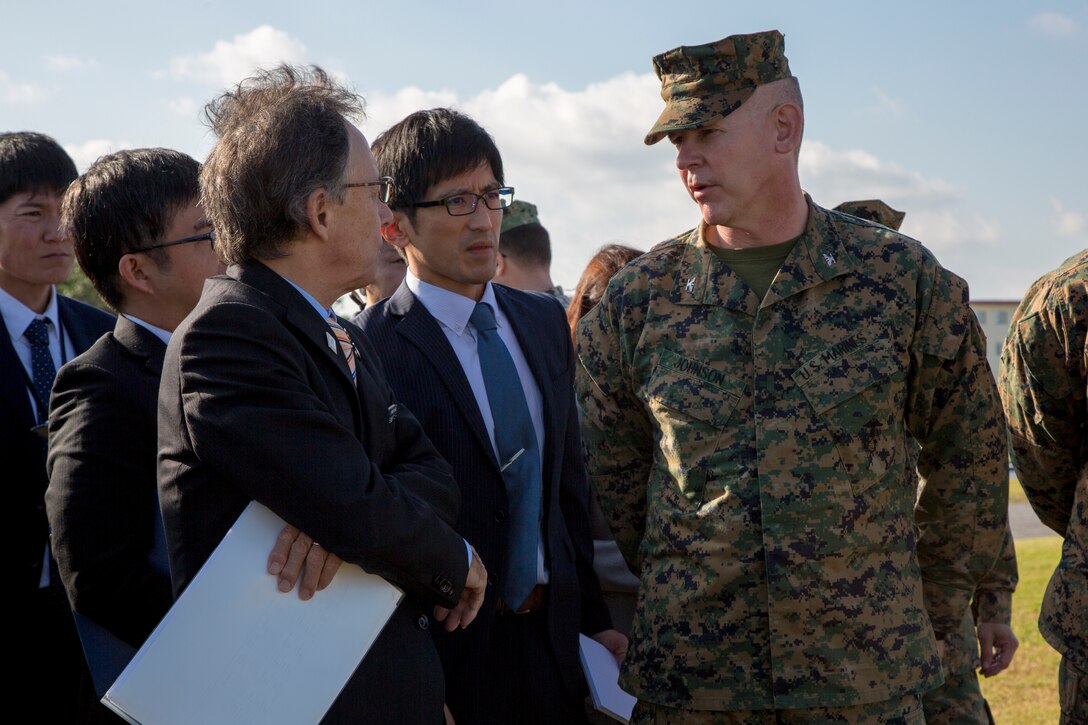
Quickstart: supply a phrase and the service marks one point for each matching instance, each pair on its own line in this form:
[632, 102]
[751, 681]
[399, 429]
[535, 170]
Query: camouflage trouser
[958, 701]
[1073, 693]
[899, 711]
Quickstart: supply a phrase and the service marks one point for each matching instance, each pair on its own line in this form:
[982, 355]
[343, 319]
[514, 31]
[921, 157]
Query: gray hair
[282, 135]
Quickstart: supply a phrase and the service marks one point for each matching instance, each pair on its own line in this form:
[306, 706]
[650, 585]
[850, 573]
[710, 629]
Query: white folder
[234, 649]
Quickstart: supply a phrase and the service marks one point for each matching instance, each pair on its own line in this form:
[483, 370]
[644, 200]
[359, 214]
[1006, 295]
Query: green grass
[1027, 692]
[1016, 491]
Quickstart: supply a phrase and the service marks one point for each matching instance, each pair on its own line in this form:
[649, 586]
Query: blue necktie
[42, 369]
[519, 457]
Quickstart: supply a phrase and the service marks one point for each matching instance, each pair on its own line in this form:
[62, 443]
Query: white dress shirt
[452, 311]
[17, 317]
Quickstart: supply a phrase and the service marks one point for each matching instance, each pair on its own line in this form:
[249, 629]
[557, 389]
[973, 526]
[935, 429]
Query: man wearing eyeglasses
[147, 258]
[266, 395]
[39, 331]
[489, 371]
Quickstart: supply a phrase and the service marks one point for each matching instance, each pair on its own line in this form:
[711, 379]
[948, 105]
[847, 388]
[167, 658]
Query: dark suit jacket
[255, 403]
[427, 377]
[23, 452]
[102, 500]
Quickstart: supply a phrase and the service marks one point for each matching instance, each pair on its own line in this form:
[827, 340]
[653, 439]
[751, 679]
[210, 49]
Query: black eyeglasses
[208, 236]
[384, 184]
[466, 202]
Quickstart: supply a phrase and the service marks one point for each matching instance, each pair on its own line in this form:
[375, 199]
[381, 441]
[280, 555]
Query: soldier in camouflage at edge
[985, 640]
[747, 431]
[1044, 386]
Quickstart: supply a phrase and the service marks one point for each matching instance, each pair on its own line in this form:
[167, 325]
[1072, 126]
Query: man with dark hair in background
[40, 330]
[266, 395]
[525, 253]
[489, 371]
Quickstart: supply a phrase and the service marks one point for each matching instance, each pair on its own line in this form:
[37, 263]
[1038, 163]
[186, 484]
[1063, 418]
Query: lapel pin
[829, 259]
[331, 341]
[690, 285]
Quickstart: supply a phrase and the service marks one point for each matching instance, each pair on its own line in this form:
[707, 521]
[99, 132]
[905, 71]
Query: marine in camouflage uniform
[751, 454]
[1044, 386]
[525, 253]
[985, 637]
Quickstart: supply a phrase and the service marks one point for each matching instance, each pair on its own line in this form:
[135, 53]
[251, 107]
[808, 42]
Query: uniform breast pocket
[859, 397]
[691, 416]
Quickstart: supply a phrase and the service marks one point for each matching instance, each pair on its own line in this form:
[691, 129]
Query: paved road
[1025, 524]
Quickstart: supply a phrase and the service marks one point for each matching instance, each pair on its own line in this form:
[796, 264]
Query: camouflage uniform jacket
[751, 458]
[1044, 386]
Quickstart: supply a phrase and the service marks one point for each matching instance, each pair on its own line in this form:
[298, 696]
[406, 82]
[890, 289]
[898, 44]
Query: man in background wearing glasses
[266, 395]
[489, 371]
[39, 331]
[144, 242]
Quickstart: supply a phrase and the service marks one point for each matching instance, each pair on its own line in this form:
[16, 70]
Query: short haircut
[529, 245]
[33, 162]
[124, 202]
[604, 264]
[282, 135]
[429, 147]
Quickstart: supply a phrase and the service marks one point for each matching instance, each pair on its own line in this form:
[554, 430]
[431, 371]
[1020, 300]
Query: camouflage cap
[519, 214]
[873, 210]
[702, 82]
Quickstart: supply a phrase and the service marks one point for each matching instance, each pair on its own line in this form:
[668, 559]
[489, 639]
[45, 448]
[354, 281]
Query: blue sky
[968, 116]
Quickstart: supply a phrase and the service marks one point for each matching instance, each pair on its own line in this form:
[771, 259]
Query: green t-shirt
[757, 266]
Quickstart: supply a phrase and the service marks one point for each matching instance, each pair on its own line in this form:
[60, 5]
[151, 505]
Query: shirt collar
[17, 316]
[449, 308]
[158, 332]
[325, 313]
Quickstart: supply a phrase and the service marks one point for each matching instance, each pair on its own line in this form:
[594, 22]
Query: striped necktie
[347, 347]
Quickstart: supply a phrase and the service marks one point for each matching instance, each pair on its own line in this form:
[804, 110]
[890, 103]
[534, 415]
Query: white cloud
[84, 154]
[1053, 24]
[186, 107]
[579, 156]
[230, 61]
[887, 104]
[14, 92]
[1069, 223]
[65, 63]
[834, 176]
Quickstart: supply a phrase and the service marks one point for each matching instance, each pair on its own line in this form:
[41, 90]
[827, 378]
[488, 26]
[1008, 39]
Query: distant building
[994, 317]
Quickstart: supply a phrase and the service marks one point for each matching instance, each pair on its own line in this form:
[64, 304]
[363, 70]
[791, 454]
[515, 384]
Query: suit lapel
[531, 346]
[13, 392]
[300, 315]
[80, 334]
[421, 329]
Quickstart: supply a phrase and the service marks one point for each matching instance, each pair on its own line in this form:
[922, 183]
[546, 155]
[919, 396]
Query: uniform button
[500, 516]
[492, 580]
[443, 584]
[423, 622]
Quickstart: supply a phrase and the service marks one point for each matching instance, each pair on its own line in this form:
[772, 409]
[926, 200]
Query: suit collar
[295, 309]
[412, 321]
[140, 342]
[819, 255]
